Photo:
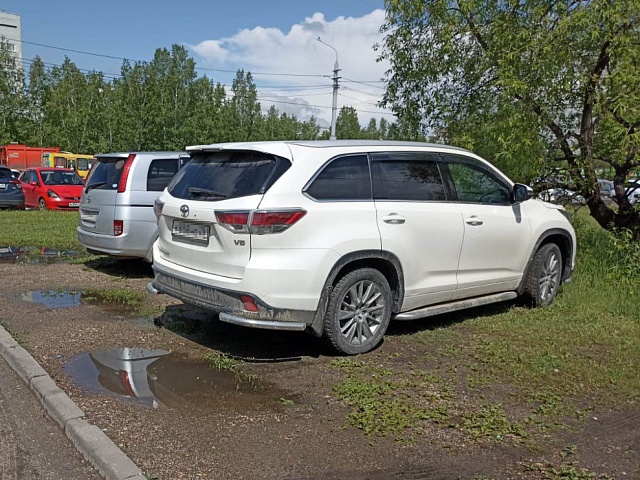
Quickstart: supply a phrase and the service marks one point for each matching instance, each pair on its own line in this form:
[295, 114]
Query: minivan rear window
[220, 175]
[105, 174]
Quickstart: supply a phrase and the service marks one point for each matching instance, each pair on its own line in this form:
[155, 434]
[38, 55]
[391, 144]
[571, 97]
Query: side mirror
[519, 193]
[34, 183]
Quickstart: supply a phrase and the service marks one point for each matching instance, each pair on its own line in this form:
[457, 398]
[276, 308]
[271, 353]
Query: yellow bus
[80, 163]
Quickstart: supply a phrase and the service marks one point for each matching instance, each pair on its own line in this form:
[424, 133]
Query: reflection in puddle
[34, 255]
[158, 378]
[53, 298]
[73, 298]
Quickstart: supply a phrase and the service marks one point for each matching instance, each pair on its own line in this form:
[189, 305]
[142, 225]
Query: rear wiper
[94, 185]
[206, 194]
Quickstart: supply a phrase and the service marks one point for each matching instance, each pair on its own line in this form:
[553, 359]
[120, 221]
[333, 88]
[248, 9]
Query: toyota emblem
[184, 210]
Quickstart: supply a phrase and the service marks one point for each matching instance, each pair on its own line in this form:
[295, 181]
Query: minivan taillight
[122, 185]
[158, 205]
[118, 227]
[259, 222]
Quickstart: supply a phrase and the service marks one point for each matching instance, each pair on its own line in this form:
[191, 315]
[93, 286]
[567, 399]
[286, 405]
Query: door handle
[473, 221]
[393, 219]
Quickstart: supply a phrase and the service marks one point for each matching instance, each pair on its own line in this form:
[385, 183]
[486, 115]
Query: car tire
[358, 312]
[544, 275]
[42, 204]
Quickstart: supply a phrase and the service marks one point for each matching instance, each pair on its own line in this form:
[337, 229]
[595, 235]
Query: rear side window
[407, 178]
[160, 173]
[345, 178]
[5, 173]
[219, 175]
[106, 173]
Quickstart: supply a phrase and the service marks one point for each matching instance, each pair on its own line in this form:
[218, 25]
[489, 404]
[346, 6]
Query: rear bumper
[120, 246]
[229, 304]
[11, 202]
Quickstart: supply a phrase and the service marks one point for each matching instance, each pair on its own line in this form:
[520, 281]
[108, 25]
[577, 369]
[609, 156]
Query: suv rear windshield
[220, 175]
[106, 173]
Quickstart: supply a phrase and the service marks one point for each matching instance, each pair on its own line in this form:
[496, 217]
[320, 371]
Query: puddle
[158, 378]
[54, 298]
[34, 255]
[73, 298]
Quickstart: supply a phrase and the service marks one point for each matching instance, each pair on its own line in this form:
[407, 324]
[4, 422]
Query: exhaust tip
[151, 289]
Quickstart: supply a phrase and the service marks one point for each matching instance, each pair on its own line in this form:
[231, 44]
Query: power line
[367, 83]
[361, 91]
[204, 69]
[358, 100]
[113, 57]
[228, 95]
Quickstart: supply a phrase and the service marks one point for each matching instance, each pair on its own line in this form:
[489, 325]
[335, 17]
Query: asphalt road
[32, 446]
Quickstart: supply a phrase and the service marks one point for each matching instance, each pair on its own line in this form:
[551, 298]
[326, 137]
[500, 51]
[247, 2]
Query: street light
[334, 108]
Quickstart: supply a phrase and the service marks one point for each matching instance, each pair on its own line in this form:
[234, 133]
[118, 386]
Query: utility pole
[336, 85]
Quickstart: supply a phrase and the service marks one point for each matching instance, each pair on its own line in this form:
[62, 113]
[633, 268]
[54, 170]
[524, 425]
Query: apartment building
[11, 35]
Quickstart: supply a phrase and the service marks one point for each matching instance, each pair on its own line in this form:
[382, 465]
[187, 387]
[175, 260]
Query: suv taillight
[259, 222]
[16, 183]
[118, 227]
[122, 185]
[236, 222]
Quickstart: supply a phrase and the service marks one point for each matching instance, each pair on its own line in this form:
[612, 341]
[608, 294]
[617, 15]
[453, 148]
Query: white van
[116, 209]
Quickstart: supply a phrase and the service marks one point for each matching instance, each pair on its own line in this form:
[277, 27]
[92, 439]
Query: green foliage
[491, 422]
[157, 105]
[375, 411]
[528, 84]
[127, 298]
[624, 258]
[220, 361]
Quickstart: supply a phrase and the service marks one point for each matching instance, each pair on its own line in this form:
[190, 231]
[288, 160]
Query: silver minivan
[116, 209]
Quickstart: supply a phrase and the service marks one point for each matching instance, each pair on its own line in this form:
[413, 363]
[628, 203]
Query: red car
[51, 188]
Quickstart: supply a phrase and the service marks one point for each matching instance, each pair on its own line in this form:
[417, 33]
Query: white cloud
[271, 51]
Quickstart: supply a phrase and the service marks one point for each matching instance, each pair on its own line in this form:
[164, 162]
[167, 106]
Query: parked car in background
[606, 187]
[336, 238]
[51, 188]
[116, 209]
[562, 196]
[632, 192]
[11, 194]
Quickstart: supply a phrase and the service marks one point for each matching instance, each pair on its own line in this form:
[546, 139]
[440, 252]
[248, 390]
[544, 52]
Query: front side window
[345, 178]
[406, 177]
[28, 177]
[474, 184]
[160, 173]
[215, 176]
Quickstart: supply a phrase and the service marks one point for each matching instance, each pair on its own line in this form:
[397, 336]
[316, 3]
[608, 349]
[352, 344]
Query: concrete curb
[94, 445]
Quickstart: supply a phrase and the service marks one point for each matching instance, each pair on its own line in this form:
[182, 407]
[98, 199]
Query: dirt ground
[275, 414]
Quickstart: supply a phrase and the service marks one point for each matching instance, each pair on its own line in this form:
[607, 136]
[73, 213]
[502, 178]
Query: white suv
[339, 237]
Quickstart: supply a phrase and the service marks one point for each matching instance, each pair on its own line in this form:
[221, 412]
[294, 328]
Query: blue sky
[275, 39]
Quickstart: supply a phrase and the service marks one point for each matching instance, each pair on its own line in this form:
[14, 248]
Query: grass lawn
[38, 228]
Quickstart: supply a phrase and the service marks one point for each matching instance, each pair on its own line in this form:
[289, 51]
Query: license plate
[190, 232]
[74, 204]
[3, 186]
